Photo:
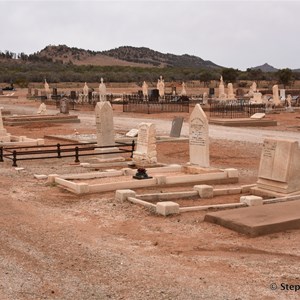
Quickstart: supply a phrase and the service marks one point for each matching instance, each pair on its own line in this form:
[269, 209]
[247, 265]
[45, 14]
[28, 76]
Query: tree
[285, 76]
[206, 77]
[230, 74]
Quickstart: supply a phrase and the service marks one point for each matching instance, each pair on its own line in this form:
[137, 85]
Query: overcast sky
[238, 34]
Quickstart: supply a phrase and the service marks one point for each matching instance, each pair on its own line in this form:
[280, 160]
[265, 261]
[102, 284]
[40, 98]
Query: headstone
[257, 97]
[282, 94]
[145, 153]
[73, 95]
[161, 87]
[222, 95]
[205, 98]
[289, 103]
[145, 89]
[183, 90]
[102, 90]
[276, 99]
[104, 124]
[258, 116]
[47, 90]
[132, 132]
[231, 95]
[42, 110]
[176, 127]
[198, 138]
[64, 105]
[4, 136]
[279, 167]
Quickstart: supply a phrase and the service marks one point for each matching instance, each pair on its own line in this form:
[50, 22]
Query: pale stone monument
[257, 97]
[231, 95]
[42, 110]
[252, 89]
[102, 91]
[145, 153]
[282, 94]
[145, 89]
[279, 167]
[4, 136]
[183, 90]
[104, 124]
[289, 103]
[276, 100]
[198, 138]
[47, 90]
[161, 87]
[222, 95]
[85, 92]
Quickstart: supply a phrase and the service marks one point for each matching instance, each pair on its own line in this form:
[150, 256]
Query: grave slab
[259, 220]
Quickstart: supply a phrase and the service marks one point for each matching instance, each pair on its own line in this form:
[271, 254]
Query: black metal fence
[167, 104]
[235, 110]
[75, 150]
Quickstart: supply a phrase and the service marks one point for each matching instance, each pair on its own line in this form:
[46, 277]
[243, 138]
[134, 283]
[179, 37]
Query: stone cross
[198, 138]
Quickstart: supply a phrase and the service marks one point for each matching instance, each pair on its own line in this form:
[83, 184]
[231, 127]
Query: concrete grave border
[212, 176]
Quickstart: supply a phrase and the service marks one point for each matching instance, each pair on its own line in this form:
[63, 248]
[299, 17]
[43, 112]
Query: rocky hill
[122, 56]
[266, 68]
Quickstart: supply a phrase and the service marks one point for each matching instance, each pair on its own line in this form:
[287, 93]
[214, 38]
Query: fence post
[132, 148]
[77, 154]
[14, 159]
[1, 154]
[58, 151]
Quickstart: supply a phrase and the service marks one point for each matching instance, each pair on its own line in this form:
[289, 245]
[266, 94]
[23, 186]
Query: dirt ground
[57, 245]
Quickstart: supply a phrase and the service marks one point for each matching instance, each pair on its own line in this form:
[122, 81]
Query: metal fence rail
[235, 110]
[168, 104]
[75, 150]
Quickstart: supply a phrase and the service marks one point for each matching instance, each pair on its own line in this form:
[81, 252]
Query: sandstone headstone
[176, 127]
[183, 90]
[145, 153]
[279, 167]
[104, 124]
[282, 94]
[198, 138]
[145, 89]
[257, 97]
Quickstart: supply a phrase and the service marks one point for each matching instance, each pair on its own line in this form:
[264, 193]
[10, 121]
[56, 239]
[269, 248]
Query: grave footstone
[132, 132]
[198, 138]
[176, 127]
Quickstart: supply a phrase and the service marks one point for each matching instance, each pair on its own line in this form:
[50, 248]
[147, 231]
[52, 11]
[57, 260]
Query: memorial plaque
[176, 127]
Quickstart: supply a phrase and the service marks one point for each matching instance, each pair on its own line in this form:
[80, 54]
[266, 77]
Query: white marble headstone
[198, 138]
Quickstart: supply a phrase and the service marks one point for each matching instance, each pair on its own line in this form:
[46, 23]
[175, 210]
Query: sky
[234, 34]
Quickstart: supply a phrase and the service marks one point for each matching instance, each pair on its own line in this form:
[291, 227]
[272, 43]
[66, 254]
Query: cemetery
[171, 181]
